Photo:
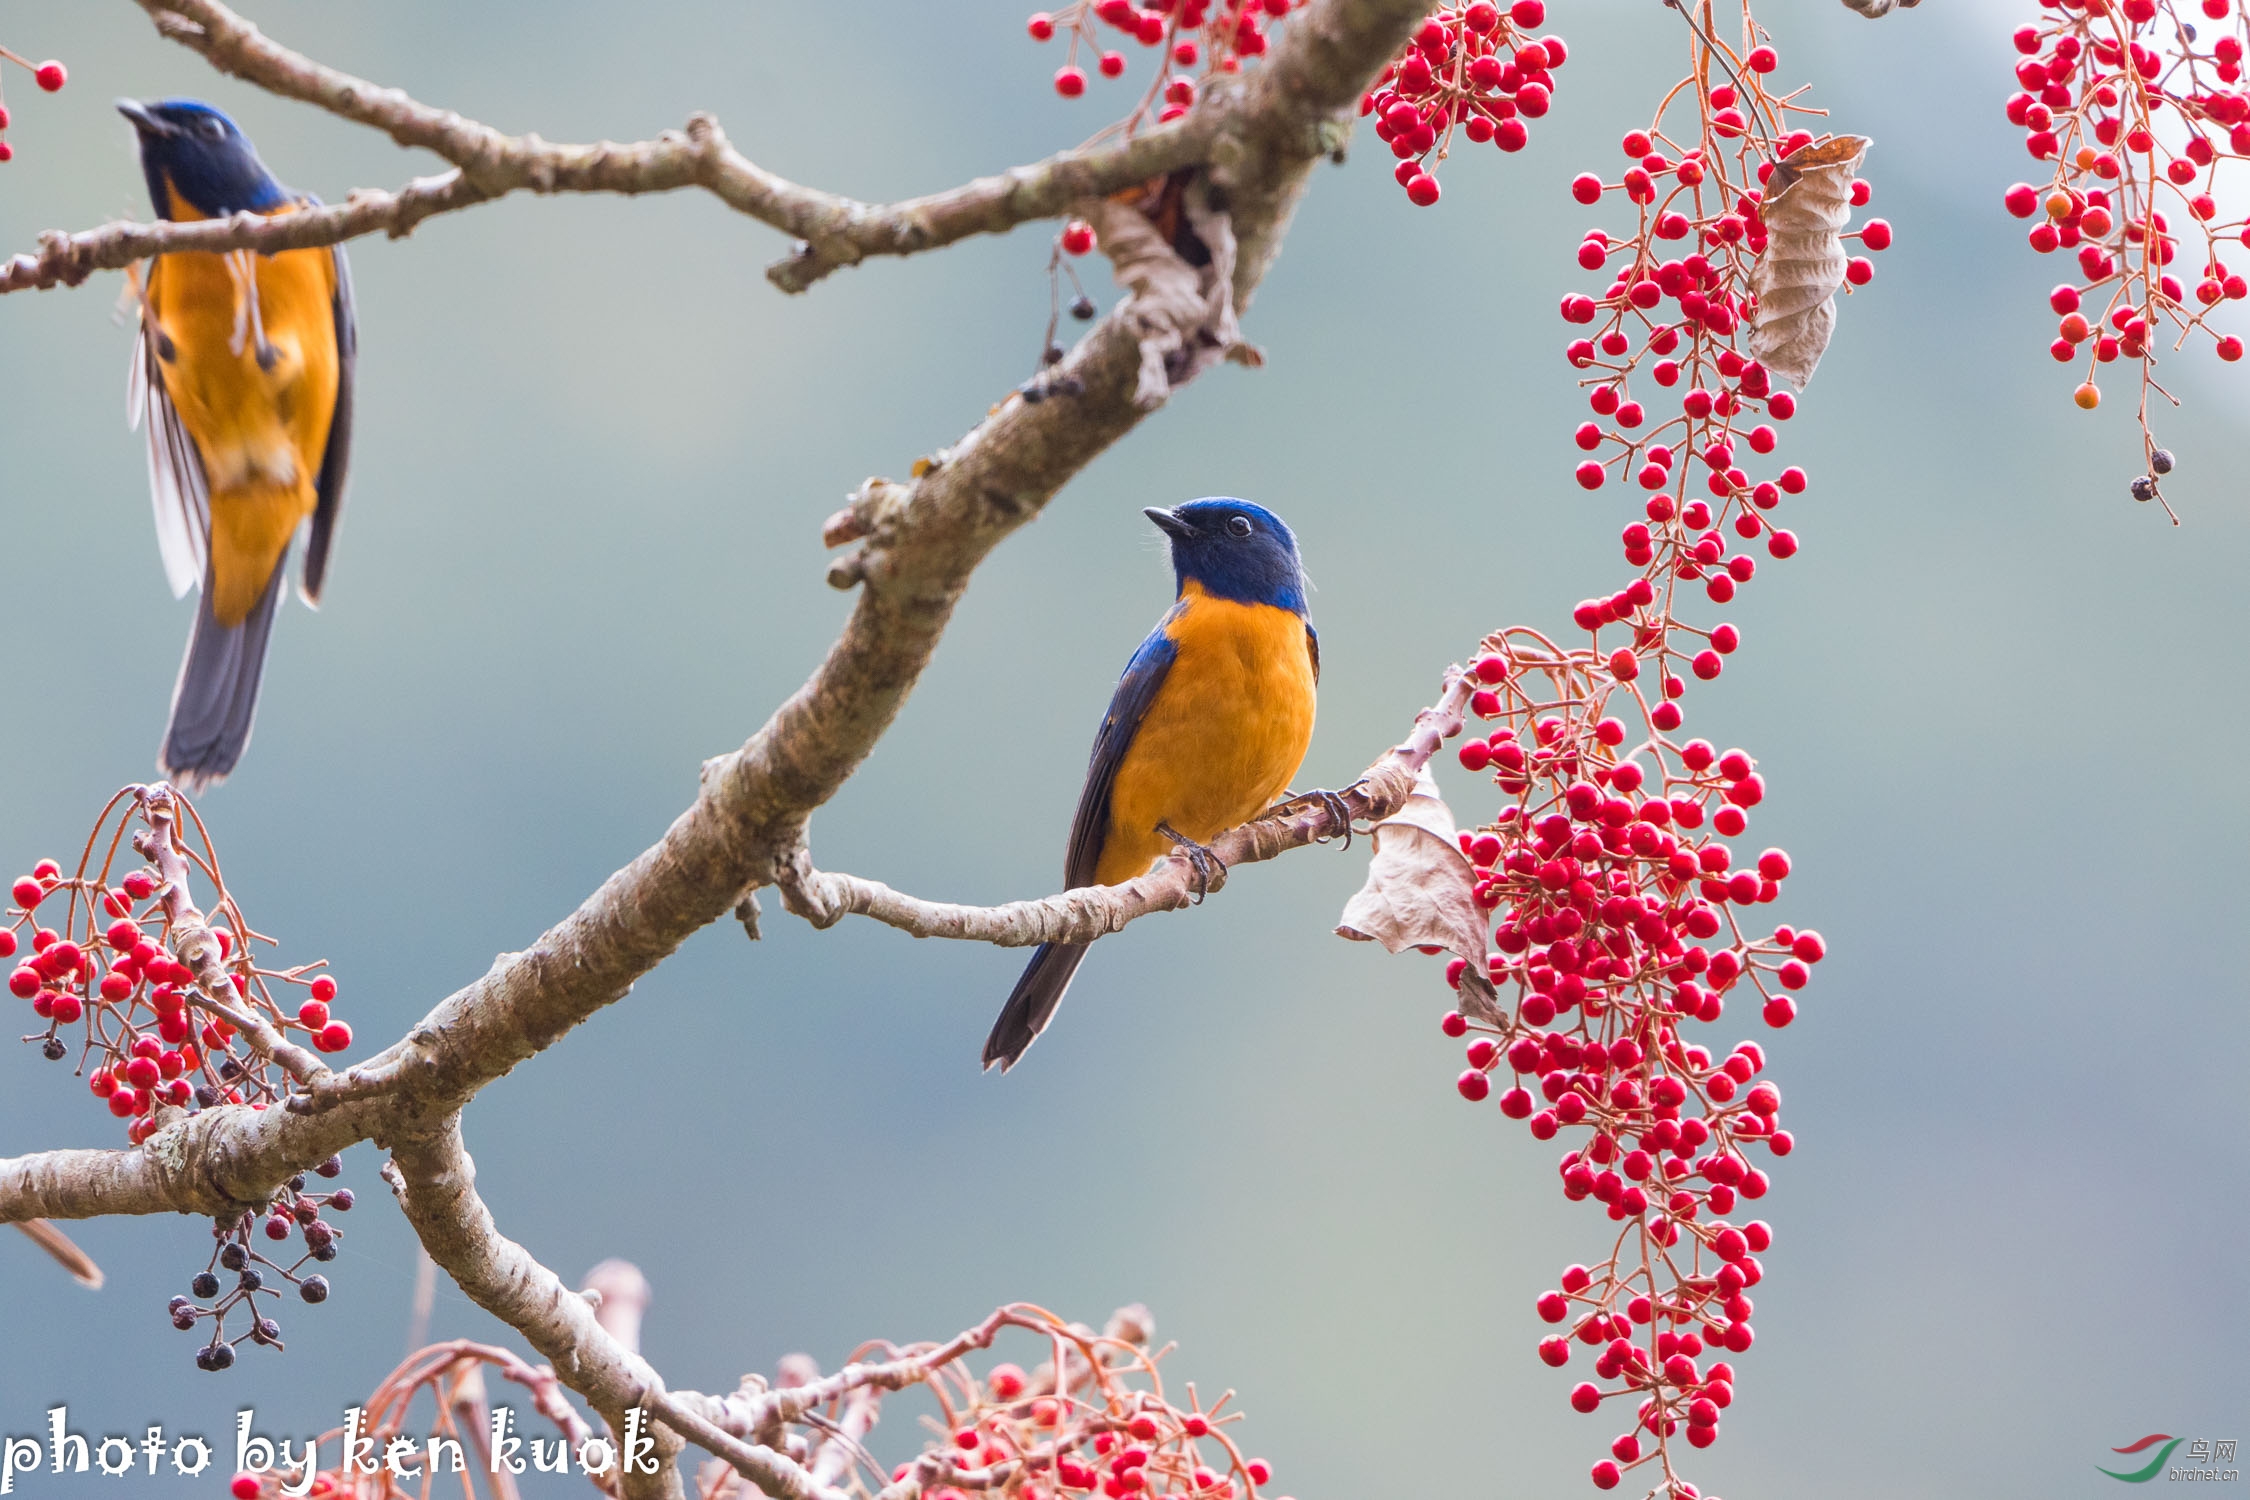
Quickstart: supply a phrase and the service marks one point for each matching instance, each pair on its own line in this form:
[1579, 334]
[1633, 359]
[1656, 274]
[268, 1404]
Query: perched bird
[1206, 727]
[243, 370]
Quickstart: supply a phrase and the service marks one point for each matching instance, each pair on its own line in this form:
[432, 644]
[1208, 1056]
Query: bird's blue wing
[1136, 690]
[337, 459]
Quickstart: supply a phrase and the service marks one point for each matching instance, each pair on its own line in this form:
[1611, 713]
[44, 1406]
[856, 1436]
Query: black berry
[313, 1289]
[205, 1286]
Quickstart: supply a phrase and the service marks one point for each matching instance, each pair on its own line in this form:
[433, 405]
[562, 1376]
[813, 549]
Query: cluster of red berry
[2133, 109]
[293, 1211]
[1476, 69]
[1194, 38]
[1115, 1440]
[1622, 916]
[100, 956]
[49, 75]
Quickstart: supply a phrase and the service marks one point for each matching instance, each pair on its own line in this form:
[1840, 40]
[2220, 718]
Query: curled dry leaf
[74, 1260]
[1421, 892]
[1808, 200]
[1182, 314]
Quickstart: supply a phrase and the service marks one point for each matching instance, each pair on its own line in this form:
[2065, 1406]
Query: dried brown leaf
[1421, 892]
[74, 1260]
[1182, 315]
[1807, 203]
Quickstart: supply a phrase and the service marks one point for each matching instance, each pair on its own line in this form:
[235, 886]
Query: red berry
[324, 989]
[334, 1037]
[1259, 1470]
[312, 1014]
[1875, 234]
[1585, 1396]
[1473, 1086]
[51, 76]
[246, 1487]
[1077, 237]
[1586, 188]
[1070, 82]
[27, 892]
[1422, 190]
[1606, 1475]
[1112, 64]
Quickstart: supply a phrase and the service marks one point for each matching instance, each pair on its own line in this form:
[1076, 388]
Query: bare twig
[833, 231]
[1080, 916]
[918, 544]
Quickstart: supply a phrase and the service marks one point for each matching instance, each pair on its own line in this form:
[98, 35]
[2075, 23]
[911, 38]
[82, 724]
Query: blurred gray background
[1999, 705]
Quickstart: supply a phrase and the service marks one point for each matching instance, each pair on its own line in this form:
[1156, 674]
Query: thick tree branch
[435, 1182]
[1081, 915]
[919, 543]
[833, 231]
[922, 541]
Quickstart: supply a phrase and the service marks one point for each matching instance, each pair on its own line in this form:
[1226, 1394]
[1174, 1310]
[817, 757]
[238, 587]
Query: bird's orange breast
[261, 431]
[1228, 728]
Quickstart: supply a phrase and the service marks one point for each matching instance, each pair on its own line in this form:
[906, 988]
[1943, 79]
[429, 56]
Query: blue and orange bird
[1209, 722]
[243, 372]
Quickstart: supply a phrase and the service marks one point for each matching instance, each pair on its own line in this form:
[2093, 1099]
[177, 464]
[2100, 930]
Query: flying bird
[1209, 722]
[243, 374]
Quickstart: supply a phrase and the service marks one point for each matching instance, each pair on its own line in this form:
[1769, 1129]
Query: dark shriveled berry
[332, 1167]
[326, 1251]
[233, 1256]
[205, 1286]
[2160, 461]
[54, 1050]
[1082, 308]
[250, 1280]
[313, 1289]
[2144, 489]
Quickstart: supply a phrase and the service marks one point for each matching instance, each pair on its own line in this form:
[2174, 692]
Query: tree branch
[919, 543]
[833, 230]
[1089, 912]
[435, 1182]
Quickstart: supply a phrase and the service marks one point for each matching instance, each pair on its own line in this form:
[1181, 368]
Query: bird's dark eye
[1238, 525]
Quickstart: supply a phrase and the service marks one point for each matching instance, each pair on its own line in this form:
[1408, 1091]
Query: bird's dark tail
[216, 696]
[1032, 1003]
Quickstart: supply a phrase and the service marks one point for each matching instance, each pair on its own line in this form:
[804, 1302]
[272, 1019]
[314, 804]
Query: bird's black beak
[1169, 523]
[144, 121]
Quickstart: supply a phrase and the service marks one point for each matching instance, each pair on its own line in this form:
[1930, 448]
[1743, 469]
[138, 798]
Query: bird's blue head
[1235, 550]
[192, 149]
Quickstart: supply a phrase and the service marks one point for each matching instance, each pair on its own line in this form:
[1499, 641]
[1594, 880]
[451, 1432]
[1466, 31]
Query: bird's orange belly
[261, 430]
[1227, 730]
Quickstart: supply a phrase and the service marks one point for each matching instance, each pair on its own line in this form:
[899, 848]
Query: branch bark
[832, 230]
[1089, 912]
[918, 544]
